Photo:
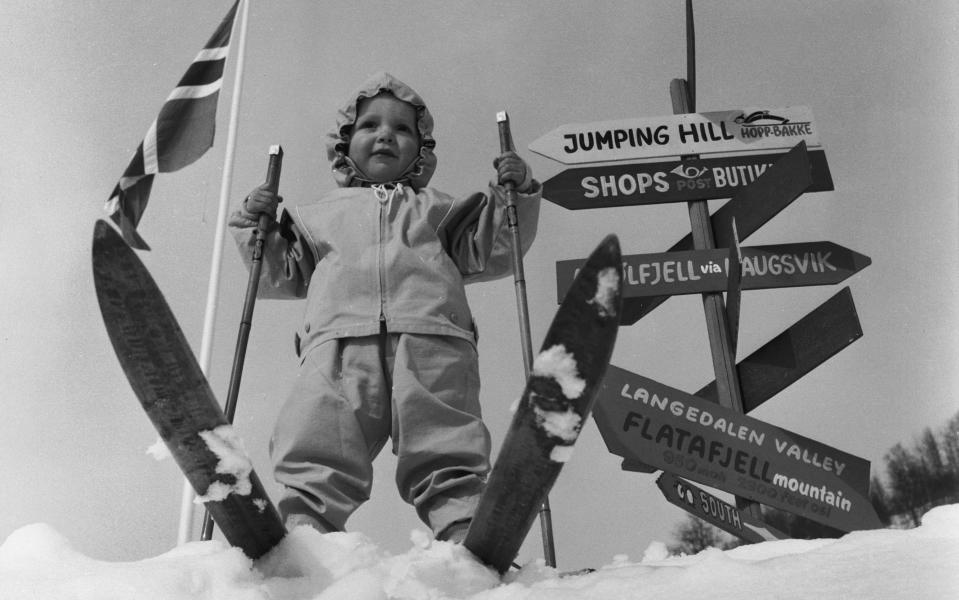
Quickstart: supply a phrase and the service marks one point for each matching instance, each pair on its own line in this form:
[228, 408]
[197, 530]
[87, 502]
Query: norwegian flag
[181, 133]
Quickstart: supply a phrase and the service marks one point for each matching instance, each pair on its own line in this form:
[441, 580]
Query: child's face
[385, 139]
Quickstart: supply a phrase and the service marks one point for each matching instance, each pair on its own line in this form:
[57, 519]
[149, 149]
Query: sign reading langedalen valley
[646, 421]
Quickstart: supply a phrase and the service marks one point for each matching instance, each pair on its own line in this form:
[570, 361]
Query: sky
[37, 562]
[83, 81]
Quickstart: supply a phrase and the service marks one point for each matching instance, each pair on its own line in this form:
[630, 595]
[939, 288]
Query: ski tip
[105, 235]
[600, 280]
[608, 250]
[611, 242]
[502, 117]
[100, 229]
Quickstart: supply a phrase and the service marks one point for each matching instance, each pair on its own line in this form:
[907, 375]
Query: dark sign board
[715, 511]
[701, 271]
[669, 181]
[645, 421]
[802, 347]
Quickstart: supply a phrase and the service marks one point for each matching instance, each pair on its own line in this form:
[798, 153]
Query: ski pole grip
[505, 145]
[505, 137]
[273, 168]
[272, 181]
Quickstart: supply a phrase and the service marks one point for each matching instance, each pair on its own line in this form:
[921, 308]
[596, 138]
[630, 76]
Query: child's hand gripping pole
[273, 183]
[522, 306]
[246, 320]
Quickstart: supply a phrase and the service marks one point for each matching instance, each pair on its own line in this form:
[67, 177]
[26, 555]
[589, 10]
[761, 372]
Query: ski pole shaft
[519, 275]
[246, 320]
[522, 307]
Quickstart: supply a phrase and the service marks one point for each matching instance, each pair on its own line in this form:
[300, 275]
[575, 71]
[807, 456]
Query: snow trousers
[350, 395]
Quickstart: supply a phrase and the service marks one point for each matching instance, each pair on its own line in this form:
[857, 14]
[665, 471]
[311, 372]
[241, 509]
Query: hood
[338, 141]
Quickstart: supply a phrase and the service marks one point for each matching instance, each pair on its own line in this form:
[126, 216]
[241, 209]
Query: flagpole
[185, 530]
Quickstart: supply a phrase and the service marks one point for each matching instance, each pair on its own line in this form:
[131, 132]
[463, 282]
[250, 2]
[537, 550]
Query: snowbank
[36, 562]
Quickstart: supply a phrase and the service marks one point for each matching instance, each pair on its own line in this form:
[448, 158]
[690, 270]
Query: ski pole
[246, 320]
[522, 306]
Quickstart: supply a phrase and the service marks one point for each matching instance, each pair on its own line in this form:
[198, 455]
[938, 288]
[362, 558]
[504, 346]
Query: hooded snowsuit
[387, 345]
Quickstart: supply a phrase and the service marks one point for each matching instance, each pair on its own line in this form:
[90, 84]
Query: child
[388, 344]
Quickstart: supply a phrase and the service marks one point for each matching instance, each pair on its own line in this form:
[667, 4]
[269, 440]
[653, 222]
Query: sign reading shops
[731, 131]
[704, 178]
[645, 421]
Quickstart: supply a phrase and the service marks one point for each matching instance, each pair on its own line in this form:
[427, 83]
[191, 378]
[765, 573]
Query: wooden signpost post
[707, 437]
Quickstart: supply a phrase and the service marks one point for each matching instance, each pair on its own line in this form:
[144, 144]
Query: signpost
[699, 271]
[740, 130]
[642, 420]
[675, 180]
[717, 512]
[707, 437]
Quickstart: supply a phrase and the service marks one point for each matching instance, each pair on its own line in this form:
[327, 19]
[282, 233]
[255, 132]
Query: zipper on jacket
[385, 197]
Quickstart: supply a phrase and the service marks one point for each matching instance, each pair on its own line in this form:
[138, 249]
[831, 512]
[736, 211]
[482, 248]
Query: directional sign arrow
[713, 510]
[799, 349]
[745, 130]
[704, 178]
[699, 271]
[780, 362]
[751, 207]
[646, 421]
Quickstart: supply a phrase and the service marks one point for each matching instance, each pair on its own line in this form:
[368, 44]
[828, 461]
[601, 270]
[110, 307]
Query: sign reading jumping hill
[747, 130]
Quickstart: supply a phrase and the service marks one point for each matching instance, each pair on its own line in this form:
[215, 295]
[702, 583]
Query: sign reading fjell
[744, 130]
[699, 271]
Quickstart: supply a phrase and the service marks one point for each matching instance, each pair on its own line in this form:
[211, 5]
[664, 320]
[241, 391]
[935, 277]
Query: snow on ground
[36, 562]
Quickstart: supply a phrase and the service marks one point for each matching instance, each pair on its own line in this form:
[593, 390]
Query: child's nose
[384, 134]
